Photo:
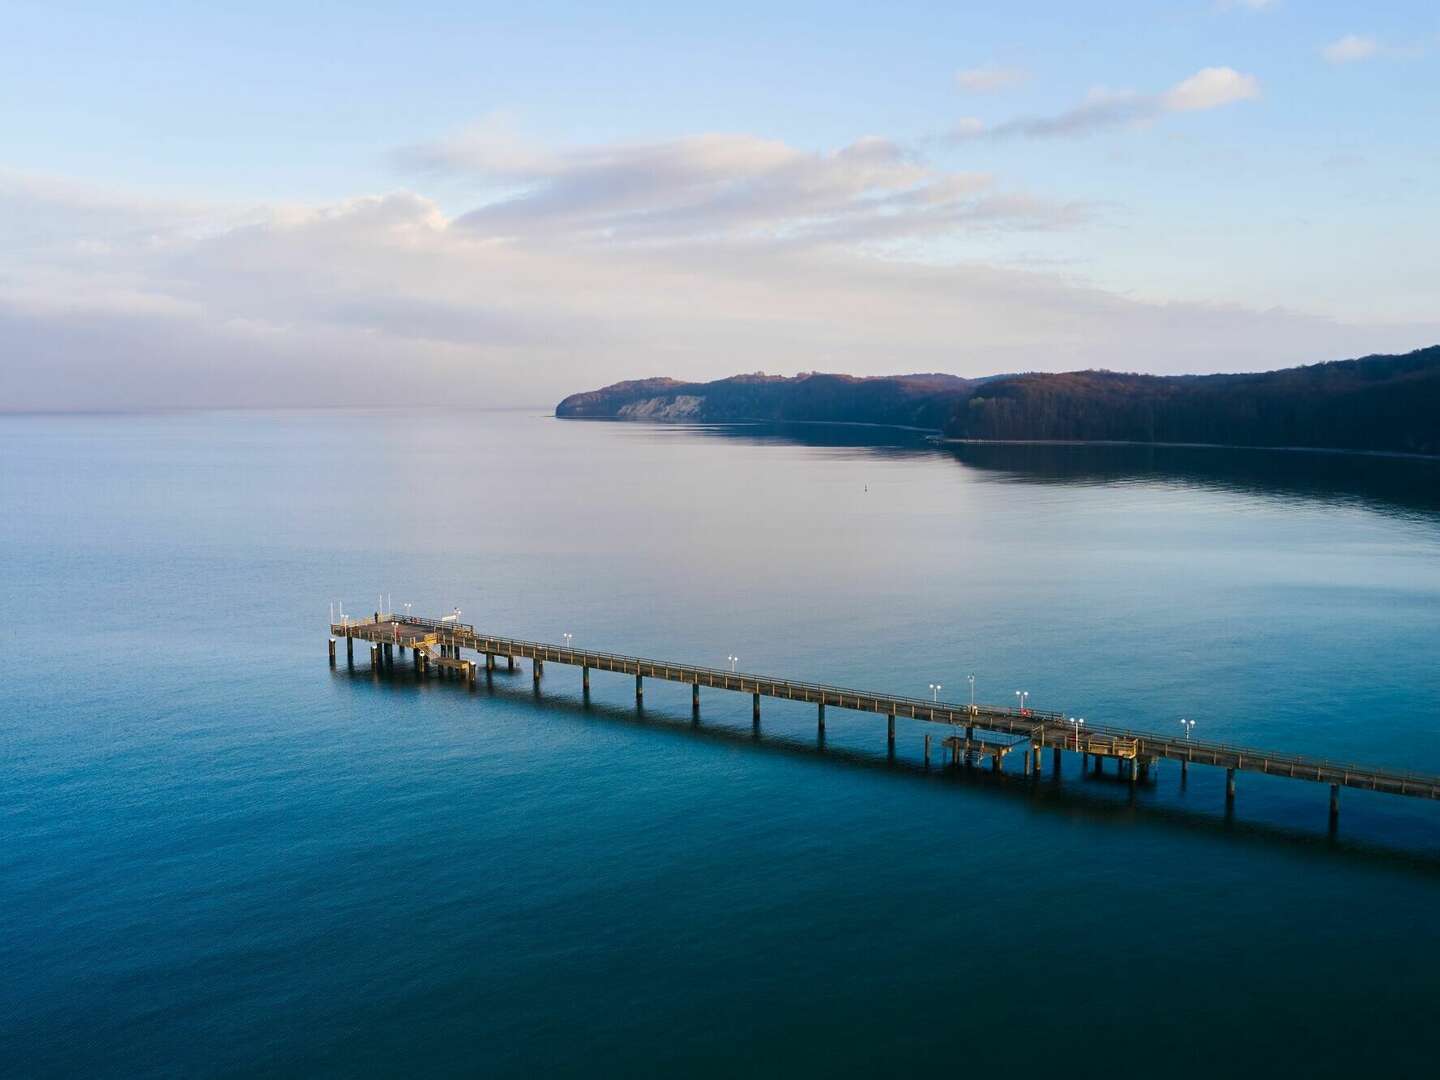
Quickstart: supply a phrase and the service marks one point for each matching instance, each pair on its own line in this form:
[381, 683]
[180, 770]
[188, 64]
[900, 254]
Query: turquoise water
[221, 857]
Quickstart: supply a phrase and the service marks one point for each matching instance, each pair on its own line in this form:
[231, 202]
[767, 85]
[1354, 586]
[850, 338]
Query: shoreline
[938, 438]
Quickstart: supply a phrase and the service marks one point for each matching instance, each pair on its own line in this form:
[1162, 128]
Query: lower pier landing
[438, 645]
[967, 751]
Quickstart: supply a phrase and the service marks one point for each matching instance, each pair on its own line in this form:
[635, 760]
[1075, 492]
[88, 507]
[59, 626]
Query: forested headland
[1382, 403]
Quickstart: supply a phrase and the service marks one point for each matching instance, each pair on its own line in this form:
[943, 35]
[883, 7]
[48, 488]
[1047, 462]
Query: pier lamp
[1076, 723]
[567, 636]
[733, 661]
[972, 691]
[1187, 725]
[935, 689]
[1022, 695]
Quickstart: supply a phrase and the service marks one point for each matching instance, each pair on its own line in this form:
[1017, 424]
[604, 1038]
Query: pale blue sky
[1285, 207]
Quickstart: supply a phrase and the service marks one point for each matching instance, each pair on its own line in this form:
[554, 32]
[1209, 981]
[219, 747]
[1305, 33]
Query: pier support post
[820, 719]
[349, 651]
[332, 652]
[585, 678]
[755, 707]
[695, 697]
[1026, 755]
[389, 655]
[470, 667]
[1334, 804]
[927, 747]
[1133, 772]
[375, 659]
[489, 662]
[890, 726]
[1229, 785]
[969, 739]
[509, 663]
[639, 689]
[1055, 763]
[423, 666]
[995, 763]
[1184, 771]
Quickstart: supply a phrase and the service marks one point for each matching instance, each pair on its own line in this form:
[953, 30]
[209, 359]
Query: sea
[221, 857]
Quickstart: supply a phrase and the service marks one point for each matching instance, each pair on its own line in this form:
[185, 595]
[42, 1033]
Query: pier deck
[441, 642]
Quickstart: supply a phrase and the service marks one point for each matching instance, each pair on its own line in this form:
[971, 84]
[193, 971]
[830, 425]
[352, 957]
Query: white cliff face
[680, 407]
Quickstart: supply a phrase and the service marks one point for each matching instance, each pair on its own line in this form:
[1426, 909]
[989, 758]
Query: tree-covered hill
[1389, 403]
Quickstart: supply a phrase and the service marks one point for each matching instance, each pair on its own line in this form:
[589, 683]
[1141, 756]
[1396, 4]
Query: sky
[360, 204]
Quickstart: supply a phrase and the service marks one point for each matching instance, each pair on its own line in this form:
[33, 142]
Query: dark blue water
[220, 857]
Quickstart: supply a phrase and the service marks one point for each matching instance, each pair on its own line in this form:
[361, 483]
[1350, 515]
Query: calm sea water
[220, 857]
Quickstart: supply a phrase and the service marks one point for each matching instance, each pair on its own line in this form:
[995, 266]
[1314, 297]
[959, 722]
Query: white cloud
[1353, 48]
[1209, 88]
[989, 78]
[1350, 48]
[720, 186]
[387, 299]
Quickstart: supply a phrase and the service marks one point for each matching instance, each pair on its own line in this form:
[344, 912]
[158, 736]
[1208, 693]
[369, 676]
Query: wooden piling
[1229, 785]
[349, 651]
[890, 726]
[585, 677]
[927, 746]
[332, 652]
[695, 696]
[639, 689]
[820, 718]
[755, 707]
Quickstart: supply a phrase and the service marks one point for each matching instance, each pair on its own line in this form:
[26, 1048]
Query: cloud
[1209, 88]
[386, 299]
[989, 78]
[720, 187]
[1249, 5]
[1353, 48]
[1350, 48]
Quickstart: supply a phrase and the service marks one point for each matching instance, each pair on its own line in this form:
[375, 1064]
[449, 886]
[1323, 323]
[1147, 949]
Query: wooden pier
[437, 646]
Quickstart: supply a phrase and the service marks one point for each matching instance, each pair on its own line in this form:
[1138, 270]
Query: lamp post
[935, 689]
[733, 661]
[1187, 725]
[1022, 695]
[972, 692]
[568, 637]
